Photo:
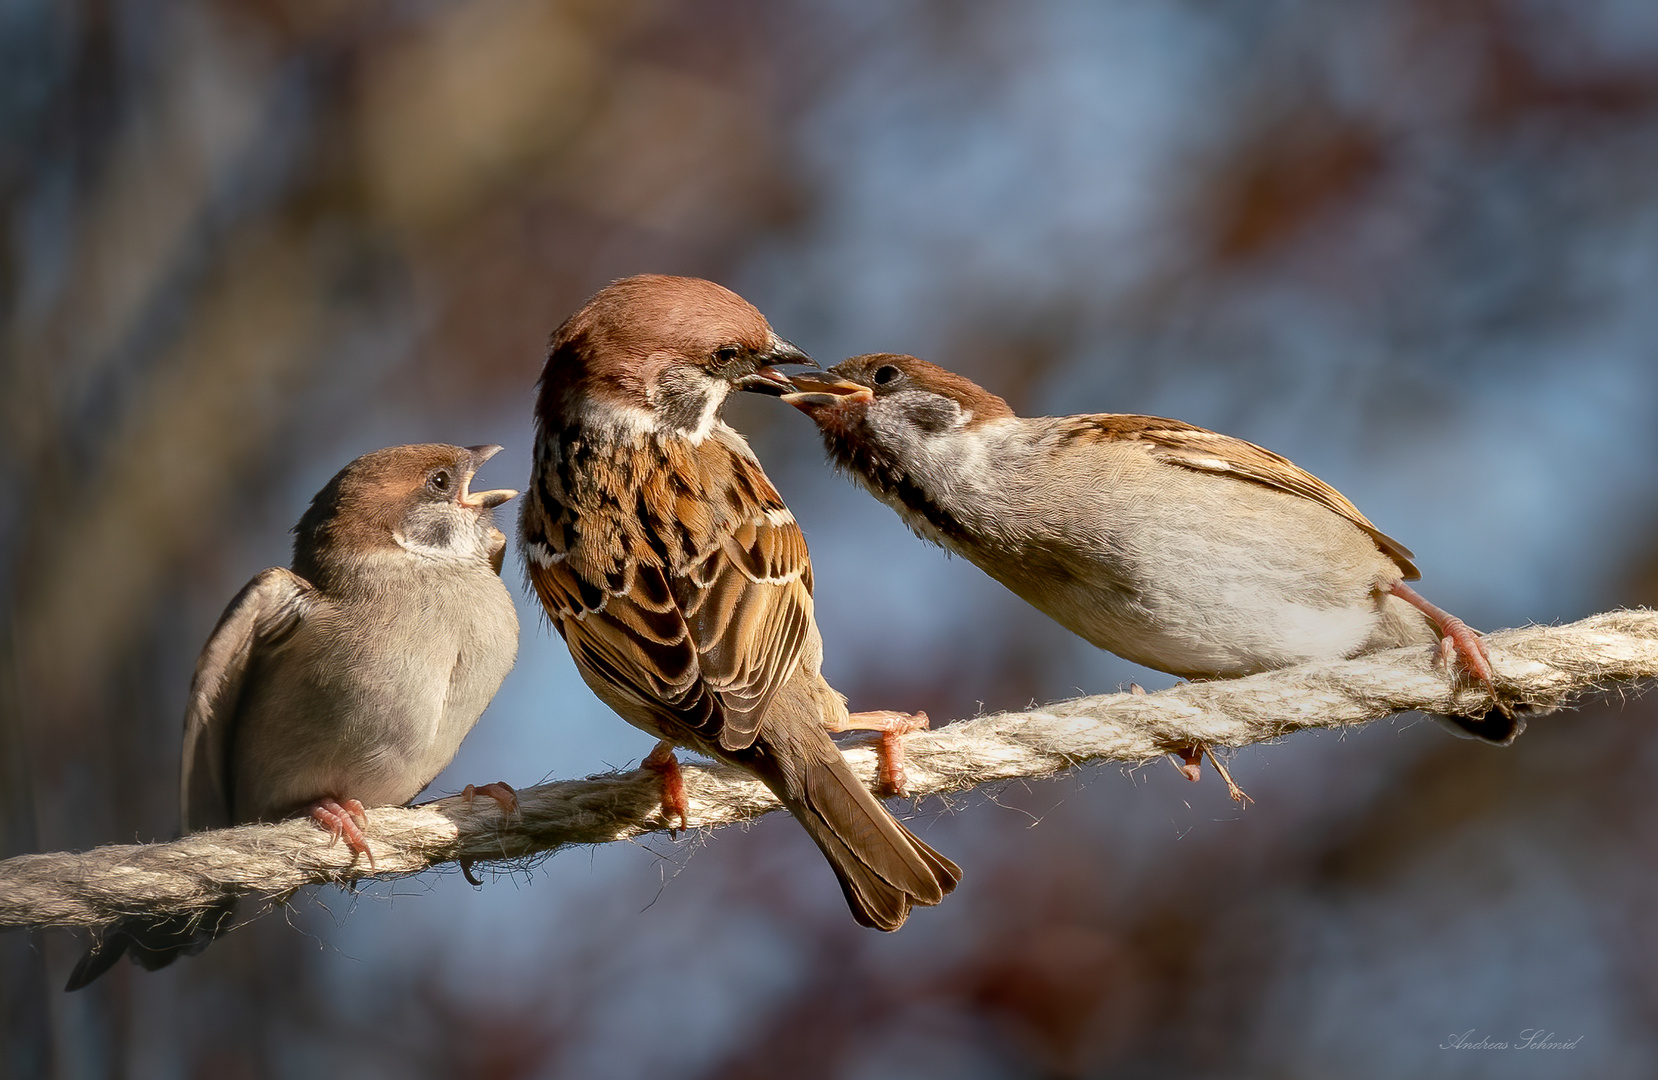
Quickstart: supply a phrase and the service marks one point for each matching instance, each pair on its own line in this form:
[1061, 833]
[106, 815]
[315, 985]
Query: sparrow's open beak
[483, 500]
[768, 380]
[810, 392]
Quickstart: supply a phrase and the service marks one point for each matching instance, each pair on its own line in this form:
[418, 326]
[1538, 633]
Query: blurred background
[1412, 244]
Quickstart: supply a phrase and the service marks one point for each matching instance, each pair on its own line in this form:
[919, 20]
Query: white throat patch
[629, 422]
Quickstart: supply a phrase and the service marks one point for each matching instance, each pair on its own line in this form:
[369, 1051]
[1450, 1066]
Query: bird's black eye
[886, 373]
[731, 361]
[441, 481]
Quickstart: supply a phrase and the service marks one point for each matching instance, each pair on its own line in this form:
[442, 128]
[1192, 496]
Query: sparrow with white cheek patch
[350, 679]
[679, 579]
[1175, 547]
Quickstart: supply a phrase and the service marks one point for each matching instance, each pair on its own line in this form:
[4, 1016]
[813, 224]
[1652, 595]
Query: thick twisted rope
[1541, 667]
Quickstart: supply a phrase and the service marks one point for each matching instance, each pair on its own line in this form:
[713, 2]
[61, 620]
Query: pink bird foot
[889, 752]
[503, 794]
[346, 819]
[1457, 640]
[674, 802]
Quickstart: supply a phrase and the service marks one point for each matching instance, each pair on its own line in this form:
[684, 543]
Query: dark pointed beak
[808, 392]
[483, 500]
[787, 352]
[767, 379]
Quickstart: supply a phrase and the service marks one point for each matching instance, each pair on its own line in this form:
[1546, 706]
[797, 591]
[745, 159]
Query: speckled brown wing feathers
[756, 588]
[1192, 447]
[662, 608]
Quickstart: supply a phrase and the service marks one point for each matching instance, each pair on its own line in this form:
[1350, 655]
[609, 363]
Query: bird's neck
[689, 413]
[370, 575]
[948, 486]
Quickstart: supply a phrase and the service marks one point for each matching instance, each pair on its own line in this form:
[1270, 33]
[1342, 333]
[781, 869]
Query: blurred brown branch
[1541, 667]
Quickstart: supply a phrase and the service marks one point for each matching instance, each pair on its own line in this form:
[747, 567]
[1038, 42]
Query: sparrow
[680, 581]
[1178, 548]
[349, 679]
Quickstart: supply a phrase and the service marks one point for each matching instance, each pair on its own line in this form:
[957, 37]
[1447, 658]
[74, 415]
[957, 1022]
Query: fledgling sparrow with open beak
[1172, 546]
[350, 679]
[681, 582]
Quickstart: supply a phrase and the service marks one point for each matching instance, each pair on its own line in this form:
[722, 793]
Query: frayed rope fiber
[1542, 667]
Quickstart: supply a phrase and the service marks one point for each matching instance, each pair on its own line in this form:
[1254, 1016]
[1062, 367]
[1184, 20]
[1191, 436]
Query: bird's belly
[1198, 598]
[372, 743]
[1209, 639]
[378, 732]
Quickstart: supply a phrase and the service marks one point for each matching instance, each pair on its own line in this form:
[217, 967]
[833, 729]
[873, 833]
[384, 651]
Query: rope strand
[1540, 667]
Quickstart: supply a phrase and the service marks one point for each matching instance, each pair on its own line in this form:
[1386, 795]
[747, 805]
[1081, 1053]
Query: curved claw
[1457, 640]
[341, 819]
[503, 794]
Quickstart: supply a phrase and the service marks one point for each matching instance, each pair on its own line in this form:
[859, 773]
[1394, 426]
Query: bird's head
[416, 500]
[656, 354]
[889, 402]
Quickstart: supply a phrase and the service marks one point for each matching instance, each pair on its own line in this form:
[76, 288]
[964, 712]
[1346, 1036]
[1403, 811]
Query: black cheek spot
[434, 531]
[683, 411]
[932, 414]
[683, 395]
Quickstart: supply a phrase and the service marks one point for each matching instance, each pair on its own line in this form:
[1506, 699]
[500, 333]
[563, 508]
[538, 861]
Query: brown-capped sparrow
[350, 679]
[1172, 546]
[681, 582]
